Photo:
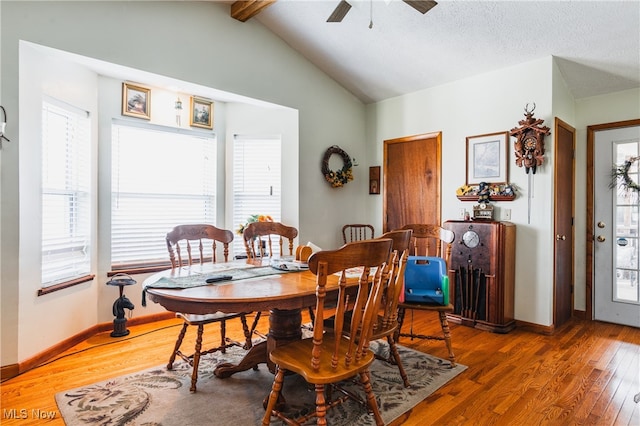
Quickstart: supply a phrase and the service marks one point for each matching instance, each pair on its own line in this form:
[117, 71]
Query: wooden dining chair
[259, 237]
[259, 240]
[429, 240]
[388, 324]
[357, 232]
[393, 285]
[328, 358]
[186, 246]
[254, 235]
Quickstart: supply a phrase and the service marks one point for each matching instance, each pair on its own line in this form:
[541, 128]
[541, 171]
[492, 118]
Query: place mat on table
[197, 279]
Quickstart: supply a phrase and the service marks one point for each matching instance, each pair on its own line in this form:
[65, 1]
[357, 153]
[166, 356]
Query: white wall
[619, 106]
[486, 103]
[242, 58]
[564, 109]
[76, 86]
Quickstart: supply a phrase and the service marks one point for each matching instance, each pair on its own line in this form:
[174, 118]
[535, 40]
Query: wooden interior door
[411, 180]
[563, 222]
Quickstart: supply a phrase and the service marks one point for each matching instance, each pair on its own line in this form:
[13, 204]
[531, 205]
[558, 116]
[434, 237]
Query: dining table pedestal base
[285, 326]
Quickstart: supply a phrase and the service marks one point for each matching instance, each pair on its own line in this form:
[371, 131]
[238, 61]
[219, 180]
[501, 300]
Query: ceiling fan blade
[422, 6]
[339, 12]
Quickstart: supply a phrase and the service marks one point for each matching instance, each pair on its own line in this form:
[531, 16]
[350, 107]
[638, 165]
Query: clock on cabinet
[483, 259]
[471, 238]
[483, 211]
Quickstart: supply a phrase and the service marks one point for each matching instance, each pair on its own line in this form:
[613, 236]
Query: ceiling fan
[422, 6]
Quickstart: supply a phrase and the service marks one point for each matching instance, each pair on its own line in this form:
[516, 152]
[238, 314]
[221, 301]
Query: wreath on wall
[345, 174]
[621, 173]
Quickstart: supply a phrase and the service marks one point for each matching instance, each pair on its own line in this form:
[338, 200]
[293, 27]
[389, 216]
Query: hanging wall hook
[3, 124]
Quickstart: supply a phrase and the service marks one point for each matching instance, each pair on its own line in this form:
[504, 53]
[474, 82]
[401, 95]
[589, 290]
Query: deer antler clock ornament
[529, 146]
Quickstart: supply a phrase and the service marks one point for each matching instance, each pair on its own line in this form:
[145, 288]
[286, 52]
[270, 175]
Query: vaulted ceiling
[596, 43]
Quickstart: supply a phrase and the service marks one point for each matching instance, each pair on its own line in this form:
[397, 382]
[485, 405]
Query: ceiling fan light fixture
[339, 12]
[422, 6]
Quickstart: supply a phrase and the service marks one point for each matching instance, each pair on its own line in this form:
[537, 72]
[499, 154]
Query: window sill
[132, 270]
[65, 284]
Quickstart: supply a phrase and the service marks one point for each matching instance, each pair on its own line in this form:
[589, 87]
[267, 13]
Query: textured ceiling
[597, 44]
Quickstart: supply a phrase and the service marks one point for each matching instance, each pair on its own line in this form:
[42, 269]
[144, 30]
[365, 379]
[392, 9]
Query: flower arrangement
[253, 218]
[338, 178]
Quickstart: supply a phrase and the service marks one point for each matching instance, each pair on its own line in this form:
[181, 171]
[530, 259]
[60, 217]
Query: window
[161, 177]
[256, 181]
[66, 196]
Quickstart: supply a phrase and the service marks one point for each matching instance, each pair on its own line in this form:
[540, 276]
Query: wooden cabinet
[482, 271]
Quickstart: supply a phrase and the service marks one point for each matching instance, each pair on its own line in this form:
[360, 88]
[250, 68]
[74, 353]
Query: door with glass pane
[616, 229]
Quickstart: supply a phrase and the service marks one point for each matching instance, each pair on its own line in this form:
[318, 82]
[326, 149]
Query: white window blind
[160, 178]
[256, 181]
[66, 198]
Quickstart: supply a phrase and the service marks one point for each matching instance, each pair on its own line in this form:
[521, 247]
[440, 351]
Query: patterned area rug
[157, 397]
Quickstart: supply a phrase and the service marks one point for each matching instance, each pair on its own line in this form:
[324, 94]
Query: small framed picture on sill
[201, 113]
[136, 101]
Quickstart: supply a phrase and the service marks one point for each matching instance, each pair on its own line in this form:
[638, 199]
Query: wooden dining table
[283, 294]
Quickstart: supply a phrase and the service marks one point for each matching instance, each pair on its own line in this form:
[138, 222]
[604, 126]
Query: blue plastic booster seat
[426, 280]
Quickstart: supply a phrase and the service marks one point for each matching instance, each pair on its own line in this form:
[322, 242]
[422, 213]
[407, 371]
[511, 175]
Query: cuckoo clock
[529, 146]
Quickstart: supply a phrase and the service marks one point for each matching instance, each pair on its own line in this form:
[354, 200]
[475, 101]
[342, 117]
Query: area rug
[156, 397]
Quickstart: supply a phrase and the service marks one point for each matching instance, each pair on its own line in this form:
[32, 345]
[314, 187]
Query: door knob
[601, 225]
[601, 238]
[560, 237]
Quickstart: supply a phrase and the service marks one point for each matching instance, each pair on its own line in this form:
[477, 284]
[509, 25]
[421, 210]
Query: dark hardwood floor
[586, 374]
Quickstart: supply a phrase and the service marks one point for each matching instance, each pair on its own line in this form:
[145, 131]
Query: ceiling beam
[245, 10]
[422, 6]
[339, 12]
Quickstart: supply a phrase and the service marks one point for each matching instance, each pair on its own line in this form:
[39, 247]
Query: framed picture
[487, 158]
[374, 180]
[136, 101]
[201, 113]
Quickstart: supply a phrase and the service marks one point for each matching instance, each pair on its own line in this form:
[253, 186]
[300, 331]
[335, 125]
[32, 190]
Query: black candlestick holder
[121, 303]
